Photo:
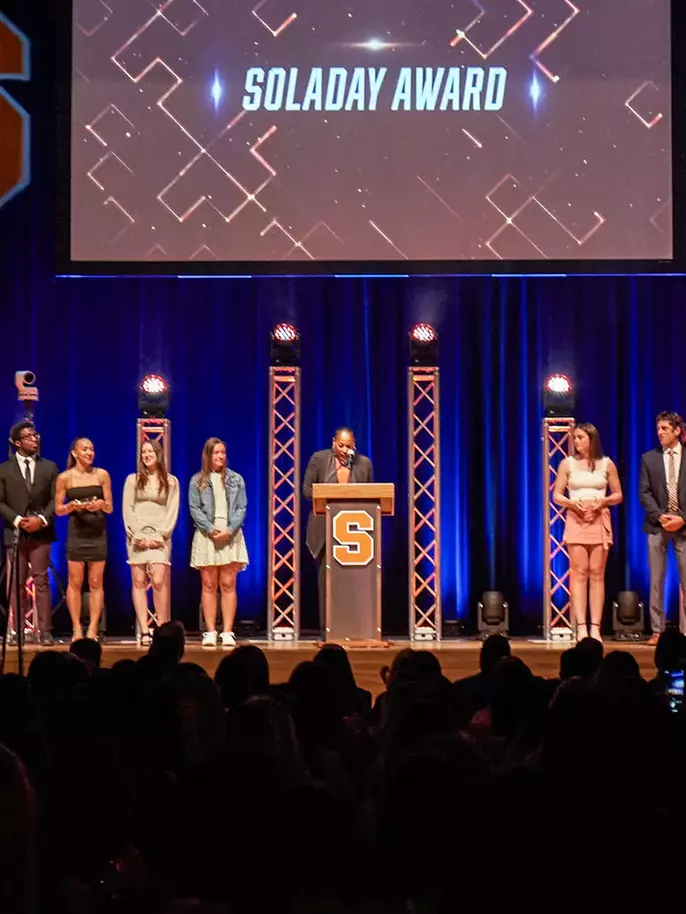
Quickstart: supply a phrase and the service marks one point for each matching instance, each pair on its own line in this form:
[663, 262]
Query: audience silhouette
[150, 787]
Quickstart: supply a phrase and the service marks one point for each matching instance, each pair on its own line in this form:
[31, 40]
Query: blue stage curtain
[621, 340]
[90, 341]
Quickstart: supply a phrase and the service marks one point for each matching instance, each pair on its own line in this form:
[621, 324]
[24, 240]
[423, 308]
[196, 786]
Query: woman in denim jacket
[217, 502]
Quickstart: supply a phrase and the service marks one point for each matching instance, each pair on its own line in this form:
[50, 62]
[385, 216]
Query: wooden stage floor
[458, 658]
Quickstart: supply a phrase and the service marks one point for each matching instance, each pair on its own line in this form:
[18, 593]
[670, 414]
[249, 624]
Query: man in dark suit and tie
[662, 491]
[27, 506]
[340, 464]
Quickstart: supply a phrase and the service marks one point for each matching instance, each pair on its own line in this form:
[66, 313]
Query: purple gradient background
[416, 176]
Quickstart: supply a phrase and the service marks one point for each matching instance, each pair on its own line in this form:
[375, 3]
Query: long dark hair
[335, 658]
[595, 449]
[162, 474]
[71, 460]
[206, 469]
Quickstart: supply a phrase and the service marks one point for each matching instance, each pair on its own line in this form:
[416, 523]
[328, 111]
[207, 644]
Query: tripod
[30, 619]
[14, 583]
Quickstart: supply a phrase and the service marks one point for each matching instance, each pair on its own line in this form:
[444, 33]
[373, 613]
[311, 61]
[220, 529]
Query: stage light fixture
[423, 334]
[285, 345]
[628, 616]
[423, 340]
[27, 392]
[246, 629]
[285, 333]
[493, 614]
[558, 396]
[452, 628]
[153, 396]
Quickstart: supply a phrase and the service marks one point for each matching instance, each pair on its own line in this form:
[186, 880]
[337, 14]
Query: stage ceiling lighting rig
[285, 345]
[153, 396]
[423, 342]
[558, 396]
[424, 483]
[283, 606]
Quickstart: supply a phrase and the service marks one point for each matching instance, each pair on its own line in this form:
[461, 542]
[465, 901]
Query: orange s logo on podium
[353, 535]
[14, 120]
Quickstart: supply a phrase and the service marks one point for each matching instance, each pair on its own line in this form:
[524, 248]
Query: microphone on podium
[351, 457]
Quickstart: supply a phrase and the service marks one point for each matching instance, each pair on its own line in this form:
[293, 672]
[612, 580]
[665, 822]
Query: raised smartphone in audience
[674, 689]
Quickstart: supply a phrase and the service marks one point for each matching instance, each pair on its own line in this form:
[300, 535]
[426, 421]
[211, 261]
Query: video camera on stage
[25, 382]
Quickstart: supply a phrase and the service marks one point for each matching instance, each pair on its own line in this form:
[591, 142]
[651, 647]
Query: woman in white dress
[586, 476]
[150, 508]
[217, 502]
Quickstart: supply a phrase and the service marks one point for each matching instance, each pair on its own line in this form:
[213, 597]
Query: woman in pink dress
[585, 477]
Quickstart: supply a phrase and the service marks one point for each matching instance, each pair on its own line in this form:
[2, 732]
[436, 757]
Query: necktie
[673, 506]
[27, 474]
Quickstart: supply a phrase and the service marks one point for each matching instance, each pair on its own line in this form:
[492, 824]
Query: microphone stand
[18, 603]
[14, 582]
[6, 612]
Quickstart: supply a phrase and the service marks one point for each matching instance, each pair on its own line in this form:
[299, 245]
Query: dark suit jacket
[18, 498]
[322, 468]
[652, 489]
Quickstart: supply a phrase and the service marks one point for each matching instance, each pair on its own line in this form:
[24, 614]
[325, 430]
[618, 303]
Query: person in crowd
[618, 667]
[88, 650]
[408, 666]
[670, 657]
[662, 490]
[27, 507]
[586, 476]
[84, 494]
[150, 507]
[166, 652]
[582, 661]
[18, 861]
[218, 502]
[353, 700]
[243, 674]
[476, 692]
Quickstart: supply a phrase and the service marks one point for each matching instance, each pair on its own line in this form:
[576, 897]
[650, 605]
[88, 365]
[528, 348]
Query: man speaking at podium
[341, 464]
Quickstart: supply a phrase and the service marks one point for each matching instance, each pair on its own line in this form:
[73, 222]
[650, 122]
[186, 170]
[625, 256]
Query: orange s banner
[14, 120]
[354, 543]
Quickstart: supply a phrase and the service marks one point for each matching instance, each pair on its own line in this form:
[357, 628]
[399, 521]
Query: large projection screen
[318, 131]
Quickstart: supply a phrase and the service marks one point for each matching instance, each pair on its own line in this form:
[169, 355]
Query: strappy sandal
[146, 640]
[600, 637]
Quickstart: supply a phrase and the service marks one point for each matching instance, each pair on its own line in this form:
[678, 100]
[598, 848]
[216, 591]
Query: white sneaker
[228, 639]
[209, 639]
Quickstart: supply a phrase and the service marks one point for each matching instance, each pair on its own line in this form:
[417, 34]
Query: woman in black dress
[84, 492]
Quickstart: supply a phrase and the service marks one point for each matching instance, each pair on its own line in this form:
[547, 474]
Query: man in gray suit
[662, 490]
[340, 464]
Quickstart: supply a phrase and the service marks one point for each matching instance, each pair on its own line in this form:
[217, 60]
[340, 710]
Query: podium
[353, 556]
